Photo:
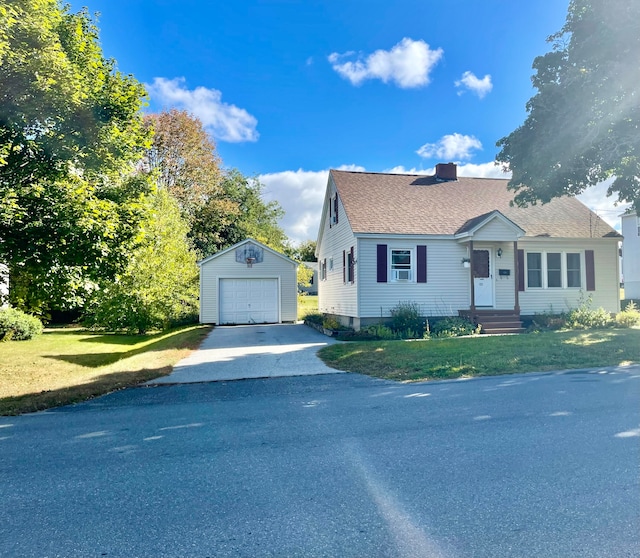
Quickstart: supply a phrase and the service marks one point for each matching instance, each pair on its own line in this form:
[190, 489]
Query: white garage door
[248, 301]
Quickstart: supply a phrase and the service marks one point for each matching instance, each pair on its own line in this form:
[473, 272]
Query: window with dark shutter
[335, 208]
[381, 263]
[344, 266]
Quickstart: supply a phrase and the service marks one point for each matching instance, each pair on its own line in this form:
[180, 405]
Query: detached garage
[248, 283]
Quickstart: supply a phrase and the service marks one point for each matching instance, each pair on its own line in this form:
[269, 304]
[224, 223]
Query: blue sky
[289, 89]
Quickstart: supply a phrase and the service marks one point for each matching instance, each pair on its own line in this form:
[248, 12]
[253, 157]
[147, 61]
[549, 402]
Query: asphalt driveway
[254, 351]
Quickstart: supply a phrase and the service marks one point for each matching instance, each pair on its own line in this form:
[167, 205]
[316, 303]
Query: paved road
[341, 465]
[255, 351]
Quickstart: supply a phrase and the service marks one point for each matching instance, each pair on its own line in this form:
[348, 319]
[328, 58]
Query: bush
[549, 320]
[406, 320]
[584, 317]
[314, 318]
[329, 322]
[629, 317]
[454, 327]
[379, 331]
[16, 325]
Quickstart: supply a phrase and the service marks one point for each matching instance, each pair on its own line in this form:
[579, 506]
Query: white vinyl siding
[606, 267]
[336, 294]
[445, 292]
[495, 231]
[224, 266]
[631, 255]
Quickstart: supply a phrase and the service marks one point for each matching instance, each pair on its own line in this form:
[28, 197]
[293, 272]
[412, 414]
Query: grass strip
[67, 366]
[438, 359]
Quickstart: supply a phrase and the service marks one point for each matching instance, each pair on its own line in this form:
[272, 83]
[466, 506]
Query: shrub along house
[457, 246]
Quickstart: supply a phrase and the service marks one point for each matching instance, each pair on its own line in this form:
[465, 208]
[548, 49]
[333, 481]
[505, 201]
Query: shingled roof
[417, 204]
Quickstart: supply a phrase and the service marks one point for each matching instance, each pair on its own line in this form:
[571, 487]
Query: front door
[482, 278]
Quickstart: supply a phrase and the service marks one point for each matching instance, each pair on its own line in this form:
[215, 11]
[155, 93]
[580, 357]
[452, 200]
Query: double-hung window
[401, 265]
[554, 270]
[574, 270]
[534, 270]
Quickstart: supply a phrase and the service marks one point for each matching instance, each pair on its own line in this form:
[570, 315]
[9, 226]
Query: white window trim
[412, 269]
[563, 270]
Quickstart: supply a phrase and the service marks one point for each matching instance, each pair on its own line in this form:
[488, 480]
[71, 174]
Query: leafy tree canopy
[583, 124]
[305, 251]
[70, 133]
[159, 287]
[221, 207]
[183, 160]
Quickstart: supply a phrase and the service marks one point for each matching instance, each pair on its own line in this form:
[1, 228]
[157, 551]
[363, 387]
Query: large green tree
[159, 287]
[583, 124]
[257, 218]
[184, 160]
[71, 132]
[221, 206]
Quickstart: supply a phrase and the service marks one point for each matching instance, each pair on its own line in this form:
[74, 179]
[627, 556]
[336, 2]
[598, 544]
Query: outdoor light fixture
[499, 252]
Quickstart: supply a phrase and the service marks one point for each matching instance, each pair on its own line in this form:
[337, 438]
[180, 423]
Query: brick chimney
[446, 171]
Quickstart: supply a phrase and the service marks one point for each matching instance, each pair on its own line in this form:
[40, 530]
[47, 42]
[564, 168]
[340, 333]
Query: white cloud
[407, 64]
[301, 194]
[483, 170]
[450, 147]
[474, 84]
[596, 199]
[225, 122]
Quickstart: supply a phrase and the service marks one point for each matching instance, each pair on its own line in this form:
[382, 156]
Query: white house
[312, 288]
[248, 283]
[631, 254]
[456, 246]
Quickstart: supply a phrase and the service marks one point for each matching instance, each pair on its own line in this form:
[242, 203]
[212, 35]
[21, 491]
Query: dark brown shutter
[335, 208]
[521, 270]
[351, 266]
[590, 269]
[330, 212]
[382, 263]
[344, 266]
[422, 264]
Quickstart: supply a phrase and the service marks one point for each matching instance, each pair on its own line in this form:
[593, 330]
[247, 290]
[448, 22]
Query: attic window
[333, 210]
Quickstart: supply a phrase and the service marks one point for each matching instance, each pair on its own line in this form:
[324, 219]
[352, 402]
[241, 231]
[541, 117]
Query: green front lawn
[438, 359]
[65, 366]
[307, 304]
